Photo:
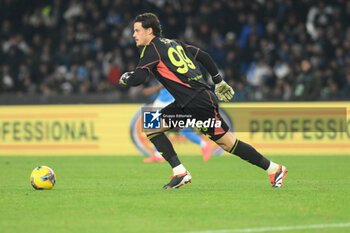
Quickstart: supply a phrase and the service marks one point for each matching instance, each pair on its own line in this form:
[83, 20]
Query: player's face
[141, 35]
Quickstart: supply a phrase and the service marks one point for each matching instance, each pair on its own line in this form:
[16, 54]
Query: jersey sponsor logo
[197, 78]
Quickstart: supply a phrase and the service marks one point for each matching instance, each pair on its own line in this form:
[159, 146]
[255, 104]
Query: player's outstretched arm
[133, 78]
[222, 90]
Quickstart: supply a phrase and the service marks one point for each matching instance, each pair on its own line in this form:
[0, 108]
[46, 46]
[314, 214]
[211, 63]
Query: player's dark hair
[149, 20]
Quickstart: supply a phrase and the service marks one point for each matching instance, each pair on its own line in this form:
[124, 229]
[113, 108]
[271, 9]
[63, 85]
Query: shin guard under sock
[248, 153]
[165, 148]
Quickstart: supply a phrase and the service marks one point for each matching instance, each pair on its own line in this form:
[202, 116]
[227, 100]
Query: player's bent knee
[224, 146]
[226, 142]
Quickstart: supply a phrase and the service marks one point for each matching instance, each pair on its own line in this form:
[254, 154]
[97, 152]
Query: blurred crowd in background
[267, 50]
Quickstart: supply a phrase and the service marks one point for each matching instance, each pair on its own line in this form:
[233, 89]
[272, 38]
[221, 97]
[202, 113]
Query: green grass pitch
[123, 194]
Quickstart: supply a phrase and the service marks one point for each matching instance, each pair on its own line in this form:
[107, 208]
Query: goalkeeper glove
[124, 78]
[223, 91]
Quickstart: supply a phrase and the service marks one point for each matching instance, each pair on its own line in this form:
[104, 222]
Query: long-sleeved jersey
[174, 64]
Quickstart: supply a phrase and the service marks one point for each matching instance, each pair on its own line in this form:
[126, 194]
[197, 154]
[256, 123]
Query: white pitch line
[281, 228]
